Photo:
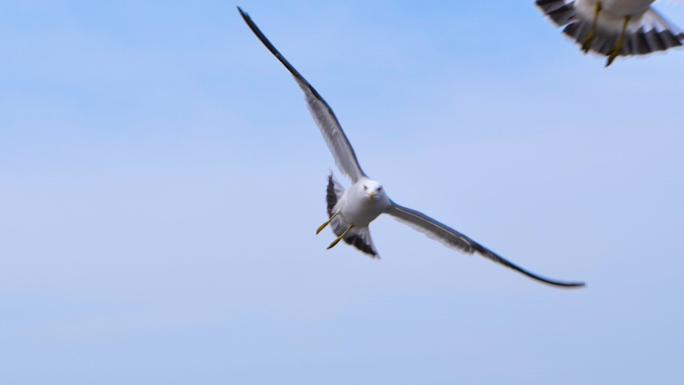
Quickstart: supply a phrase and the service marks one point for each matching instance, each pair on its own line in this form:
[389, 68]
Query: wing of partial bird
[458, 241]
[323, 115]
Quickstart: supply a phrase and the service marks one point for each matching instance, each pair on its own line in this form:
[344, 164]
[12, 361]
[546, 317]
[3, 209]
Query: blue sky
[162, 182]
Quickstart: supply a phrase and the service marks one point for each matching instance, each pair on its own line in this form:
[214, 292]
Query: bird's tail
[649, 33]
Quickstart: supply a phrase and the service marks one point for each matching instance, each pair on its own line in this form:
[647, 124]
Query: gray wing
[456, 240]
[323, 115]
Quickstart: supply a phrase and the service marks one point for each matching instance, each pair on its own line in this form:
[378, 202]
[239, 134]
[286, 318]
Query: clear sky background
[162, 181]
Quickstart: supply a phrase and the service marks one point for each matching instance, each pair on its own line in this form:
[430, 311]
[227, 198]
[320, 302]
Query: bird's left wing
[323, 115]
[454, 239]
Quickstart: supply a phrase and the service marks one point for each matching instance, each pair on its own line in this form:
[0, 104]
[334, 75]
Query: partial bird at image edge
[612, 28]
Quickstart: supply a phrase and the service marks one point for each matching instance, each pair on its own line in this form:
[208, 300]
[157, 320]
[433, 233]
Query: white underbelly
[359, 211]
[618, 8]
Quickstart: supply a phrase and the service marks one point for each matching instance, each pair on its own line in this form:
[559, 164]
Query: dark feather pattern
[330, 195]
[655, 33]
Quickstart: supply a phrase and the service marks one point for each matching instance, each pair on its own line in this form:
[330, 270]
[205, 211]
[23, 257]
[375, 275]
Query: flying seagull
[613, 28]
[351, 211]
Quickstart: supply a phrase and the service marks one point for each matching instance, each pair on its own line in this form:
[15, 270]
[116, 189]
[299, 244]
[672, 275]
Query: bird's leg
[586, 44]
[336, 241]
[326, 223]
[615, 51]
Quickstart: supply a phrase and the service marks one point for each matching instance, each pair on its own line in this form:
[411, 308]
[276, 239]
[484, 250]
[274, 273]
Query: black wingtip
[568, 285]
[242, 13]
[571, 285]
[560, 284]
[496, 258]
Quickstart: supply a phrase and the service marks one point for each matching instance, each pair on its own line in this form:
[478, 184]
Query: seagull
[613, 28]
[351, 211]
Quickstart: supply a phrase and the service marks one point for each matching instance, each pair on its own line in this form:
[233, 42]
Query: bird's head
[373, 190]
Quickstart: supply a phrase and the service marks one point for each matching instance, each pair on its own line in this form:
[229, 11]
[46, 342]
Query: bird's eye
[379, 188]
[365, 188]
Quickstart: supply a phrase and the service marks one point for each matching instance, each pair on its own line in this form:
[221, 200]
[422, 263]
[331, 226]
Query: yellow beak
[371, 195]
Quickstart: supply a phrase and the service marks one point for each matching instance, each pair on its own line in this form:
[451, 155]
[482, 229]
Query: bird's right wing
[454, 239]
[323, 115]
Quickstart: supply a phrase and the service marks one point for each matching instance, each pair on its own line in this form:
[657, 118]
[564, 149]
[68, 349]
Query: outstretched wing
[323, 115]
[456, 240]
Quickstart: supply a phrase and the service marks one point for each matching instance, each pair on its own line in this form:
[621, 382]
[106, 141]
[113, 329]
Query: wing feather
[454, 239]
[363, 241]
[323, 115]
